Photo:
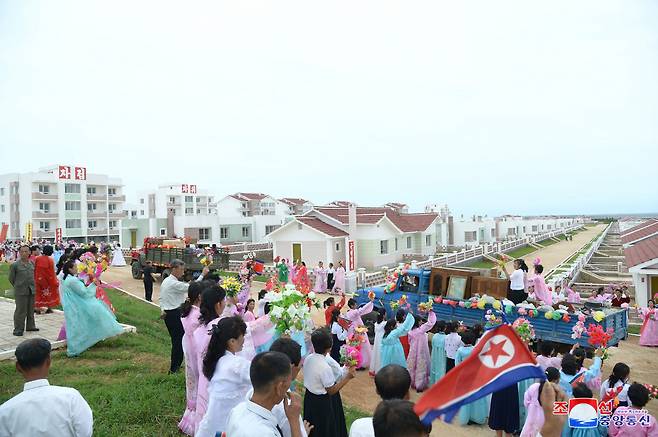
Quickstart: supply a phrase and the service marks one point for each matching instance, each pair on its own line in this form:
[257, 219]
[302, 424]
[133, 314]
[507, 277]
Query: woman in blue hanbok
[88, 320]
[476, 411]
[392, 351]
[438, 358]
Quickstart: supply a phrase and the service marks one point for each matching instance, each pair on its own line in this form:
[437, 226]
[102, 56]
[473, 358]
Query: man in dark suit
[148, 281]
[21, 277]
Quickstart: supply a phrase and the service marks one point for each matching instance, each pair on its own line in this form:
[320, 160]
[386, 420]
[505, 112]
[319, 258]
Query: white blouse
[517, 280]
[622, 396]
[339, 331]
[318, 374]
[228, 387]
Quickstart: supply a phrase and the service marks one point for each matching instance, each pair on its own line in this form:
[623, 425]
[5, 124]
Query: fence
[378, 278]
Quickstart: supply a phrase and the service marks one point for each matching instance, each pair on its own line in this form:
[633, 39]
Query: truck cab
[414, 283]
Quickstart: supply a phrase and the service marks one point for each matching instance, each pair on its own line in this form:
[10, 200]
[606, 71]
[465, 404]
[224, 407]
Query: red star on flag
[496, 350]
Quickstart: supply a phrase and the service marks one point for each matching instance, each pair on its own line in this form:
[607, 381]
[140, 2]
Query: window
[141, 212]
[91, 207]
[72, 223]
[44, 189]
[112, 191]
[133, 214]
[223, 232]
[549, 227]
[44, 226]
[198, 210]
[2, 191]
[112, 207]
[408, 242]
[383, 247]
[71, 188]
[204, 233]
[172, 200]
[71, 206]
[493, 233]
[2, 208]
[470, 236]
[245, 231]
[198, 200]
[92, 224]
[189, 199]
[44, 207]
[396, 244]
[163, 232]
[270, 228]
[428, 240]
[189, 210]
[511, 231]
[534, 228]
[113, 224]
[91, 190]
[141, 201]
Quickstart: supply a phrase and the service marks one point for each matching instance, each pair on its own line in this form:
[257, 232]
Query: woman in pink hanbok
[542, 293]
[292, 270]
[354, 315]
[649, 330]
[535, 419]
[418, 361]
[190, 320]
[572, 296]
[320, 278]
[339, 279]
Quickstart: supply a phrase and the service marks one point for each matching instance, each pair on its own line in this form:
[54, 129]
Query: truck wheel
[164, 274]
[136, 270]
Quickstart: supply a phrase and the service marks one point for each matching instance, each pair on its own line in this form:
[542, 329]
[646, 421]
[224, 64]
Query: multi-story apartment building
[248, 217]
[62, 201]
[297, 206]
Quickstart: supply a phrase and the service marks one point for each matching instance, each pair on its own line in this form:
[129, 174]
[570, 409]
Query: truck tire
[136, 270]
[164, 274]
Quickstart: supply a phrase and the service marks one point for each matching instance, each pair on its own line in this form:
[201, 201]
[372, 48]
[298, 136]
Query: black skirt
[330, 281]
[325, 413]
[335, 348]
[517, 296]
[504, 410]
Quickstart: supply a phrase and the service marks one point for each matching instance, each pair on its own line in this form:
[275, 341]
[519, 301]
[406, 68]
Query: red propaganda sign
[81, 173]
[64, 172]
[3, 232]
[185, 188]
[350, 255]
[193, 189]
[58, 235]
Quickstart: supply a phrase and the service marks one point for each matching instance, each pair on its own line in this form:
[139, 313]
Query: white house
[381, 236]
[249, 217]
[62, 200]
[297, 206]
[471, 231]
[642, 261]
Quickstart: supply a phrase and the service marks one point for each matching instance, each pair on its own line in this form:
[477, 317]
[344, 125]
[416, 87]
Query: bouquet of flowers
[504, 259]
[231, 285]
[290, 309]
[90, 270]
[492, 320]
[425, 307]
[400, 303]
[524, 329]
[653, 391]
[206, 259]
[350, 356]
[391, 282]
[578, 330]
[599, 338]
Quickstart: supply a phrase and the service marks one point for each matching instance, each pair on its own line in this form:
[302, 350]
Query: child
[476, 411]
[392, 352]
[643, 424]
[571, 370]
[452, 343]
[330, 277]
[594, 383]
[404, 340]
[649, 329]
[532, 402]
[616, 386]
[419, 353]
[249, 315]
[338, 335]
[228, 374]
[190, 320]
[582, 391]
[375, 362]
[322, 404]
[438, 368]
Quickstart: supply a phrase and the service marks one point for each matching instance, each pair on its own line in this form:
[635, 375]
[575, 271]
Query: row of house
[640, 243]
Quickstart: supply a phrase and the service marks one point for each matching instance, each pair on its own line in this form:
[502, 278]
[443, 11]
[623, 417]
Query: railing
[44, 214]
[97, 197]
[44, 196]
[246, 247]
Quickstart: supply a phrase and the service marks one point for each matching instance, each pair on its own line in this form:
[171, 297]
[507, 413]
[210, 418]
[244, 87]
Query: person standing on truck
[148, 281]
[173, 292]
[518, 278]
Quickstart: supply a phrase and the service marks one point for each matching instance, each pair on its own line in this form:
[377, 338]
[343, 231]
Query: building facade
[62, 201]
[249, 217]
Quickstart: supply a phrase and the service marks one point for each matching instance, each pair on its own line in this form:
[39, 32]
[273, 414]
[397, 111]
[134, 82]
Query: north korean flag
[499, 360]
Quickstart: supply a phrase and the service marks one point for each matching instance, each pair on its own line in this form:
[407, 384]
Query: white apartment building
[471, 231]
[511, 227]
[249, 217]
[62, 201]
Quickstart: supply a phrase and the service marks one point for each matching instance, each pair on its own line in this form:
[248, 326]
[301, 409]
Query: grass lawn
[4, 278]
[483, 264]
[123, 379]
[520, 252]
[634, 329]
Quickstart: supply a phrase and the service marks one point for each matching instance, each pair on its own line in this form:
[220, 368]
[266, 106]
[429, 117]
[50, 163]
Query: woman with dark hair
[45, 281]
[649, 329]
[542, 293]
[213, 302]
[354, 315]
[616, 386]
[190, 320]
[228, 374]
[248, 314]
[338, 335]
[329, 306]
[301, 276]
[88, 320]
[392, 352]
[518, 281]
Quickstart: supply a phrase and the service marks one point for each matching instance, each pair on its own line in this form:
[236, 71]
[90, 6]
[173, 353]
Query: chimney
[351, 220]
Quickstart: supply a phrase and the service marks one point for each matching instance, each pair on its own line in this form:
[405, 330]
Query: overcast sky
[489, 106]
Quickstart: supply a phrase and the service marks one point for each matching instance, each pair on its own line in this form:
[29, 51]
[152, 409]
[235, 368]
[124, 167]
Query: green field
[123, 379]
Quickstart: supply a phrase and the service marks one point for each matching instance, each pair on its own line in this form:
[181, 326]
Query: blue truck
[415, 284]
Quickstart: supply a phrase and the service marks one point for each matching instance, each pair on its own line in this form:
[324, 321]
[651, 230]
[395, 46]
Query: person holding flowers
[330, 305]
[376, 358]
[518, 279]
[636, 421]
[354, 315]
[649, 329]
[320, 278]
[88, 320]
[418, 360]
[338, 335]
[392, 351]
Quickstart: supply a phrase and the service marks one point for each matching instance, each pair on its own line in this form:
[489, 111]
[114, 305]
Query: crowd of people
[241, 375]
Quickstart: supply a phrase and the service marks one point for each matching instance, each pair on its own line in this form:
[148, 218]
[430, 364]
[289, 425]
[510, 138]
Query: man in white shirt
[173, 293]
[270, 377]
[42, 409]
[391, 382]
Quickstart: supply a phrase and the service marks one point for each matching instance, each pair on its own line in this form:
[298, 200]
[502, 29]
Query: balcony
[44, 215]
[117, 198]
[96, 213]
[114, 231]
[44, 196]
[118, 214]
[96, 197]
[97, 231]
[38, 233]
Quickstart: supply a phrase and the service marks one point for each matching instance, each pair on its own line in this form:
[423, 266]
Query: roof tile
[641, 252]
[321, 226]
